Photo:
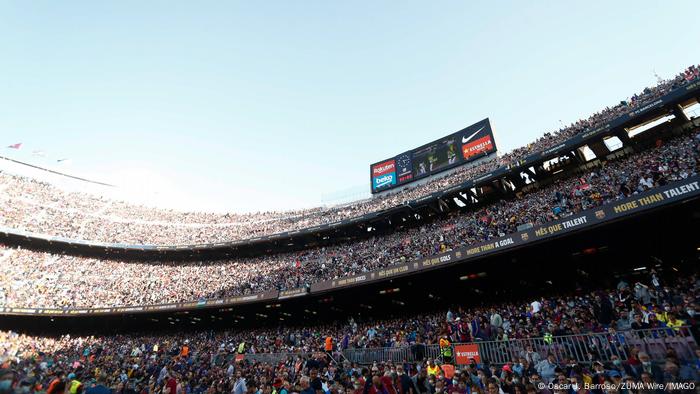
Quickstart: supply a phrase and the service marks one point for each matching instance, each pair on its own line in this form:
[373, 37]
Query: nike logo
[466, 139]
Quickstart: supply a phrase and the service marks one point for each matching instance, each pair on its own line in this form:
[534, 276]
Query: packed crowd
[208, 361]
[38, 279]
[41, 208]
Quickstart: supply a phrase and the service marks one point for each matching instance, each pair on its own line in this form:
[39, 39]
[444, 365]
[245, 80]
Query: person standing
[328, 347]
[405, 382]
[239, 387]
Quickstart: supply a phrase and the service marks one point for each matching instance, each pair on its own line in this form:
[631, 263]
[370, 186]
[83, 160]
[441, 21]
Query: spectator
[7, 380]
[647, 367]
[547, 368]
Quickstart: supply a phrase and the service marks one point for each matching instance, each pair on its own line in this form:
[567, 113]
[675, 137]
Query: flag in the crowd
[407, 241]
[15, 146]
[298, 264]
[39, 153]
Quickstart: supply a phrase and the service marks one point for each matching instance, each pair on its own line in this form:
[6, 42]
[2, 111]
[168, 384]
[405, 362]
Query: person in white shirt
[239, 387]
[646, 182]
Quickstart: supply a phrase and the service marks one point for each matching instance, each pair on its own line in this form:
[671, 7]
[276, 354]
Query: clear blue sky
[267, 105]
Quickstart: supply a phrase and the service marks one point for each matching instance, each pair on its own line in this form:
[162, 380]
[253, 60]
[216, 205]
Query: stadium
[571, 260]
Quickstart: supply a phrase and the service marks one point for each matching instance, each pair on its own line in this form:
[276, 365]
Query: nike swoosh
[465, 140]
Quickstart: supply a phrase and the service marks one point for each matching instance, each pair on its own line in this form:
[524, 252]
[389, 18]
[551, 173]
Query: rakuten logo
[384, 168]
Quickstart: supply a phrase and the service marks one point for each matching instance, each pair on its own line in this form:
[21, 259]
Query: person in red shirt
[359, 385]
[459, 388]
[463, 330]
[377, 387]
[57, 385]
[171, 383]
[388, 383]
[633, 359]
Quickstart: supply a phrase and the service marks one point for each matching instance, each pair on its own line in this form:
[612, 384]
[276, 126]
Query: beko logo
[383, 180]
[467, 139]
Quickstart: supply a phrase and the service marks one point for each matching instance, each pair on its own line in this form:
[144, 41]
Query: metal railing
[272, 358]
[581, 347]
[266, 358]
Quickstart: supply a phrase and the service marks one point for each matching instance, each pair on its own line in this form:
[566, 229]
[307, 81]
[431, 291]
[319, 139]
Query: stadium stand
[43, 209]
[39, 279]
[76, 323]
[597, 337]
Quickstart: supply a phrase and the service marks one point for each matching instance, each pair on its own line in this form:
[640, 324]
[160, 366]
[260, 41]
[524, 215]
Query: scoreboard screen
[448, 152]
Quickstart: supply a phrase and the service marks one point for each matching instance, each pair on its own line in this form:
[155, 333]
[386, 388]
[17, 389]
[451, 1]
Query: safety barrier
[273, 358]
[394, 354]
[580, 347]
[266, 358]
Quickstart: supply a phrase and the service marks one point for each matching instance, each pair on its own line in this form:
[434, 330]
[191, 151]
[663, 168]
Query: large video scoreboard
[448, 152]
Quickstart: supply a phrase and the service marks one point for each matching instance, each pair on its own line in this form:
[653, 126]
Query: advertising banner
[293, 293]
[384, 175]
[477, 147]
[464, 354]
